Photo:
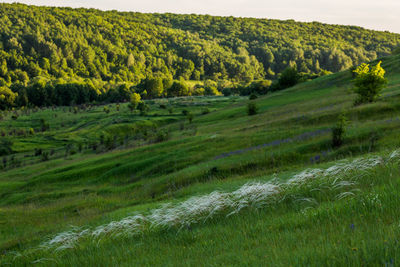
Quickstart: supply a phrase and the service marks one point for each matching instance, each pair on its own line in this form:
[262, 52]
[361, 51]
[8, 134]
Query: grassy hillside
[257, 205]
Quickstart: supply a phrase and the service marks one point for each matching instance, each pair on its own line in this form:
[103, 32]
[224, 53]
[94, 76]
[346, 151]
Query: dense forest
[64, 56]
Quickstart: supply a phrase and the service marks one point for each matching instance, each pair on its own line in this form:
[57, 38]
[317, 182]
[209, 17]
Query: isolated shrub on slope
[369, 82]
[339, 130]
[252, 108]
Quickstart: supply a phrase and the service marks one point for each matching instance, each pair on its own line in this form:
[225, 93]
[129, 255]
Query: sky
[372, 14]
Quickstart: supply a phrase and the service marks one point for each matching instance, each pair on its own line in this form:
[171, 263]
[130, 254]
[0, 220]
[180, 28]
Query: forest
[63, 56]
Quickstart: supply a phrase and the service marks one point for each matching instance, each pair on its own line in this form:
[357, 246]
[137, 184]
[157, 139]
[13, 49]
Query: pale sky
[371, 14]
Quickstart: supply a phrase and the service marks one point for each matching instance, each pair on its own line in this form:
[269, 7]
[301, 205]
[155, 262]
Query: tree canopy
[58, 52]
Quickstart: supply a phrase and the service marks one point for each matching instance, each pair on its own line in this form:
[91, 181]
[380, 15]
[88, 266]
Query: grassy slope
[91, 189]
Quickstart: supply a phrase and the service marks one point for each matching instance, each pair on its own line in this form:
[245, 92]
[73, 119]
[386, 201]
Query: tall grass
[339, 179]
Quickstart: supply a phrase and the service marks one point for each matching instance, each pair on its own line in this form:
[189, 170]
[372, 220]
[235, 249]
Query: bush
[252, 109]
[134, 101]
[5, 147]
[38, 152]
[190, 117]
[162, 136]
[143, 107]
[369, 83]
[185, 112]
[44, 125]
[227, 91]
[253, 96]
[205, 111]
[45, 156]
[338, 131]
[289, 77]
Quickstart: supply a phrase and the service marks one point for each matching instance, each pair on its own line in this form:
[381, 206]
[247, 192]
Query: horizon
[369, 15]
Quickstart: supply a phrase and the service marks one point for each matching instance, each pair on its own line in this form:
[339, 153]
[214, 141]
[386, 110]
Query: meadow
[227, 176]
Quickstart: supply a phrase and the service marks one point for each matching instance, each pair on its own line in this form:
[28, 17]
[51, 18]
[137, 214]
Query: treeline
[42, 92]
[96, 51]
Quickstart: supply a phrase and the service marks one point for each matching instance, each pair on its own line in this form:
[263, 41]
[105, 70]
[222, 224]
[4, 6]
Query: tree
[7, 98]
[369, 82]
[143, 107]
[288, 78]
[154, 87]
[178, 89]
[134, 101]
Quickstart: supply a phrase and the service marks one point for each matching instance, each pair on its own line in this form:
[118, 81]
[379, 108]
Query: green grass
[40, 199]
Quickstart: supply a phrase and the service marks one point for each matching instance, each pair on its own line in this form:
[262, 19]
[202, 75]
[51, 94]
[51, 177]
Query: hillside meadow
[90, 185]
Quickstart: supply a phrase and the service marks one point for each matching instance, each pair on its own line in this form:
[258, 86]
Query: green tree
[288, 78]
[134, 101]
[369, 82]
[178, 89]
[143, 107]
[7, 98]
[154, 87]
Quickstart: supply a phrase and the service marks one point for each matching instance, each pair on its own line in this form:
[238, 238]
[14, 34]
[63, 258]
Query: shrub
[162, 106]
[44, 125]
[338, 131]
[162, 136]
[106, 109]
[369, 82]
[190, 117]
[253, 96]
[143, 107]
[227, 91]
[134, 101]
[252, 109]
[45, 156]
[185, 112]
[205, 111]
[5, 146]
[38, 152]
[289, 77]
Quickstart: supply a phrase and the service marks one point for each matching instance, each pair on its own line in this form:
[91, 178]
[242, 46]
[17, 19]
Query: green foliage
[161, 136]
[143, 108]
[205, 111]
[190, 117]
[134, 101]
[338, 132]
[369, 82]
[63, 56]
[5, 146]
[7, 98]
[178, 88]
[288, 78]
[253, 97]
[227, 91]
[252, 108]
